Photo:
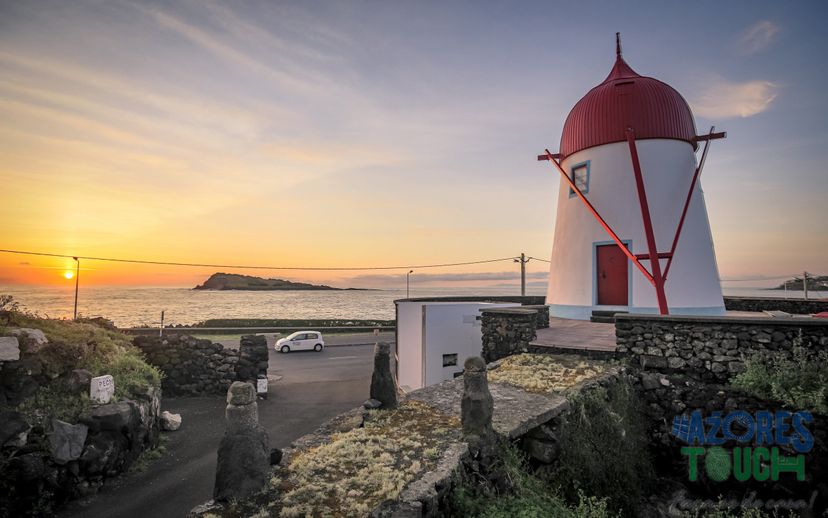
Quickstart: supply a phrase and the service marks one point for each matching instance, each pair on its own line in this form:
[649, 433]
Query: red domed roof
[627, 100]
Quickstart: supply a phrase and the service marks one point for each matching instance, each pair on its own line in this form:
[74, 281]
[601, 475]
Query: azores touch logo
[761, 437]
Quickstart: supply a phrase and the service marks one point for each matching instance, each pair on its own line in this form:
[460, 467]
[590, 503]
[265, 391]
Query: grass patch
[147, 457]
[544, 372]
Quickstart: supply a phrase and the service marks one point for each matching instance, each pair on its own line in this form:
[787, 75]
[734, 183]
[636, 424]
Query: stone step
[602, 319]
[607, 312]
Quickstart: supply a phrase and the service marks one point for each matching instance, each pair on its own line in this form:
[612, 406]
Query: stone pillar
[477, 405]
[542, 319]
[253, 358]
[243, 455]
[507, 331]
[383, 384]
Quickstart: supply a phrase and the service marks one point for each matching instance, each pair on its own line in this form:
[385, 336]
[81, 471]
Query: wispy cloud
[722, 99]
[757, 37]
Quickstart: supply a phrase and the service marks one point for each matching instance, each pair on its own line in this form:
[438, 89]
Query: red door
[611, 271]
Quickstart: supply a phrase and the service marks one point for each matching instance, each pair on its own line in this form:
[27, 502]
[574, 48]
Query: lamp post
[407, 282]
[77, 279]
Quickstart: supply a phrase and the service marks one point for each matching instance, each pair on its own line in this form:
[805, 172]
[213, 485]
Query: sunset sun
[68, 275]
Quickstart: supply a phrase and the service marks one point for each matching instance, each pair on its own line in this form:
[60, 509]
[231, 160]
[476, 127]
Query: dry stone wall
[684, 364]
[507, 331]
[193, 367]
[58, 461]
[712, 349]
[793, 306]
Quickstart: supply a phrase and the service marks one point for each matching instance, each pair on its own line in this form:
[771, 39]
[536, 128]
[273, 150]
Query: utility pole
[77, 279]
[161, 329]
[805, 284]
[523, 260]
[407, 282]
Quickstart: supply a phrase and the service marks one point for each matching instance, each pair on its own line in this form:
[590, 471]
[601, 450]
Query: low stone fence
[712, 349]
[793, 306]
[76, 459]
[198, 367]
[507, 331]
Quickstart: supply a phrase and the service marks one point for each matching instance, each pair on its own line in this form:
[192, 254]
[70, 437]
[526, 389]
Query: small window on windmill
[449, 360]
[580, 176]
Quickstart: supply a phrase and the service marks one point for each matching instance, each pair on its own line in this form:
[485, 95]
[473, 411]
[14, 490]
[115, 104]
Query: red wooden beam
[556, 156]
[710, 136]
[598, 217]
[661, 255]
[655, 266]
[696, 175]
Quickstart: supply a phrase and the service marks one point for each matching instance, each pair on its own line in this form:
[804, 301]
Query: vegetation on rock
[543, 372]
[799, 381]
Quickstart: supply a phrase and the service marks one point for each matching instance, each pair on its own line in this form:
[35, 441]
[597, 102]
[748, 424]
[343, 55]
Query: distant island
[817, 283]
[232, 281]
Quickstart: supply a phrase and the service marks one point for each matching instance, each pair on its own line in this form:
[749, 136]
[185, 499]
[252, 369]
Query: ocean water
[139, 306]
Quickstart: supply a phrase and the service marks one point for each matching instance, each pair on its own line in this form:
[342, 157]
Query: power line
[251, 267]
[539, 259]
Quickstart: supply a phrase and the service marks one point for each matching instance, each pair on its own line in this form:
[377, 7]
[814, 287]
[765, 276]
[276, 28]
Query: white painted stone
[9, 348]
[101, 389]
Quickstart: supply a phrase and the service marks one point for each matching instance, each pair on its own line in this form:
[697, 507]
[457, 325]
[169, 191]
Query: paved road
[330, 339]
[314, 387]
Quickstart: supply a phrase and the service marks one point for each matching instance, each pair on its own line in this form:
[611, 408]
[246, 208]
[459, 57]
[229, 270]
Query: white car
[301, 341]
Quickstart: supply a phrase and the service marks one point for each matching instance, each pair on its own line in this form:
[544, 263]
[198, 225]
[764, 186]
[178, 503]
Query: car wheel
[285, 349]
[317, 347]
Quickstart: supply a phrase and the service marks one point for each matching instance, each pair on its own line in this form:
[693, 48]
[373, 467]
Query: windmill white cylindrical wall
[588, 271]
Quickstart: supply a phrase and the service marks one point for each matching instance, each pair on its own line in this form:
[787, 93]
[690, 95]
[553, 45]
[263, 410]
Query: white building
[629, 114]
[435, 337]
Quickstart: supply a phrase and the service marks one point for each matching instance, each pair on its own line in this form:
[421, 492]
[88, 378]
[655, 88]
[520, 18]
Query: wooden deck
[576, 335]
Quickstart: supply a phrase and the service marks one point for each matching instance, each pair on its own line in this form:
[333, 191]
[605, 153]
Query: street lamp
[407, 282]
[77, 278]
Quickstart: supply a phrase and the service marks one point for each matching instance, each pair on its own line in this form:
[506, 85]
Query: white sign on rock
[101, 389]
[261, 386]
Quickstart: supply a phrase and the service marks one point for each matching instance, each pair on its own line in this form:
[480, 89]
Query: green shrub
[130, 372]
[604, 449]
[529, 496]
[800, 382]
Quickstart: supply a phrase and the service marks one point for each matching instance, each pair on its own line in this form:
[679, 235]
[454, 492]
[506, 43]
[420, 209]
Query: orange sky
[274, 134]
